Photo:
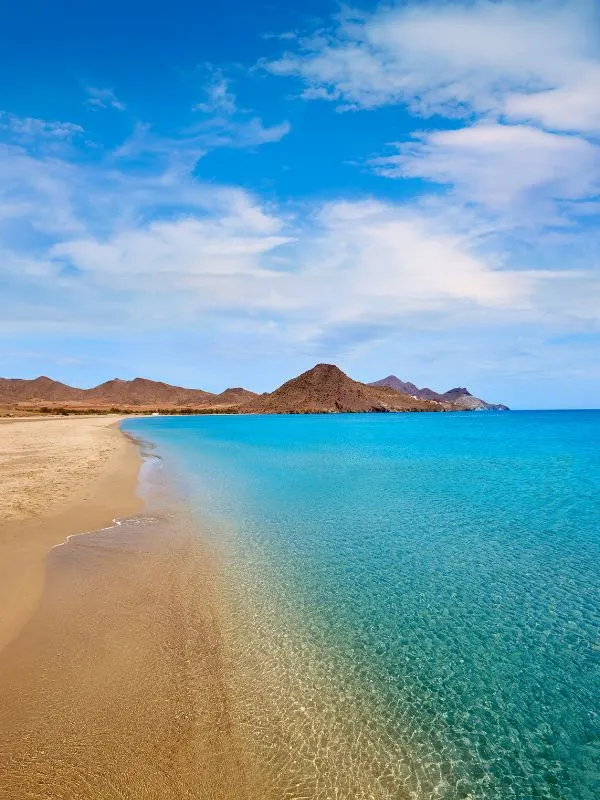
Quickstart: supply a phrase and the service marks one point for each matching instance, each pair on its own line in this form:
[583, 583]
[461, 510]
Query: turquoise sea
[411, 601]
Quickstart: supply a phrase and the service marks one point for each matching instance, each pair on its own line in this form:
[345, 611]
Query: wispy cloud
[249, 133]
[105, 246]
[535, 60]
[524, 73]
[501, 166]
[103, 98]
[32, 129]
[219, 99]
[221, 124]
[286, 36]
[186, 148]
[225, 124]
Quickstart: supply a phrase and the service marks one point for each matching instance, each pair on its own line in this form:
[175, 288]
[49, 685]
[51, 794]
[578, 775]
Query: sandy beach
[58, 476]
[111, 672]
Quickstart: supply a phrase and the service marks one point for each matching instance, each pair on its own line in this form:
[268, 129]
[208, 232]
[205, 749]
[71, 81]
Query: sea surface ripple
[412, 600]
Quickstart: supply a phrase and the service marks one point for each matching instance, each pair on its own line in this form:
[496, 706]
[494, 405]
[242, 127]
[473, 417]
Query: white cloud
[285, 36]
[219, 98]
[381, 262]
[35, 195]
[228, 125]
[30, 128]
[223, 125]
[501, 165]
[103, 98]
[534, 60]
[231, 243]
[574, 105]
[103, 245]
[339, 262]
[246, 133]
[525, 73]
[346, 264]
[359, 260]
[189, 146]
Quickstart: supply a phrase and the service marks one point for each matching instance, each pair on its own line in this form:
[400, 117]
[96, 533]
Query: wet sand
[115, 687]
[58, 476]
[111, 677]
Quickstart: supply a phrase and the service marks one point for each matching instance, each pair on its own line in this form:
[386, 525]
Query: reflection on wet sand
[115, 688]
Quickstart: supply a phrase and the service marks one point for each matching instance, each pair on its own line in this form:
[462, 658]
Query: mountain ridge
[136, 392]
[322, 389]
[459, 396]
[141, 391]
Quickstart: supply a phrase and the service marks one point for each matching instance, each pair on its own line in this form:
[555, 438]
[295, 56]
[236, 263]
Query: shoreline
[114, 686]
[61, 476]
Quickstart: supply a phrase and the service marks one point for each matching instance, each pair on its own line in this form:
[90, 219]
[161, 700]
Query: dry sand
[58, 476]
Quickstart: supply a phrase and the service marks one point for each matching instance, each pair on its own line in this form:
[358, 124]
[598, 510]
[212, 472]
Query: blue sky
[220, 194]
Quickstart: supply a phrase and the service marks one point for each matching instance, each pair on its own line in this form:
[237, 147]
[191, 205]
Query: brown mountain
[142, 392]
[458, 398]
[235, 396]
[16, 390]
[139, 393]
[392, 382]
[429, 394]
[119, 393]
[326, 389]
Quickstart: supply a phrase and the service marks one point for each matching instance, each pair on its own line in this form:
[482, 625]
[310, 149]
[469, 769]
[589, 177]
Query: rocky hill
[322, 389]
[236, 396]
[392, 382]
[462, 398]
[458, 398]
[142, 392]
[138, 393]
[326, 389]
[42, 389]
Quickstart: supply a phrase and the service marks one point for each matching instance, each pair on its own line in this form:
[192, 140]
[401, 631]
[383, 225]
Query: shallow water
[410, 602]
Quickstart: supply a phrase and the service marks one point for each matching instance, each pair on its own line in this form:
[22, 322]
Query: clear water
[426, 586]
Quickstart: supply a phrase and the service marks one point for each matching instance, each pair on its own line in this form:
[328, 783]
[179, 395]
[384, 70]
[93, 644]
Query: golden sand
[111, 674]
[114, 689]
[57, 477]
